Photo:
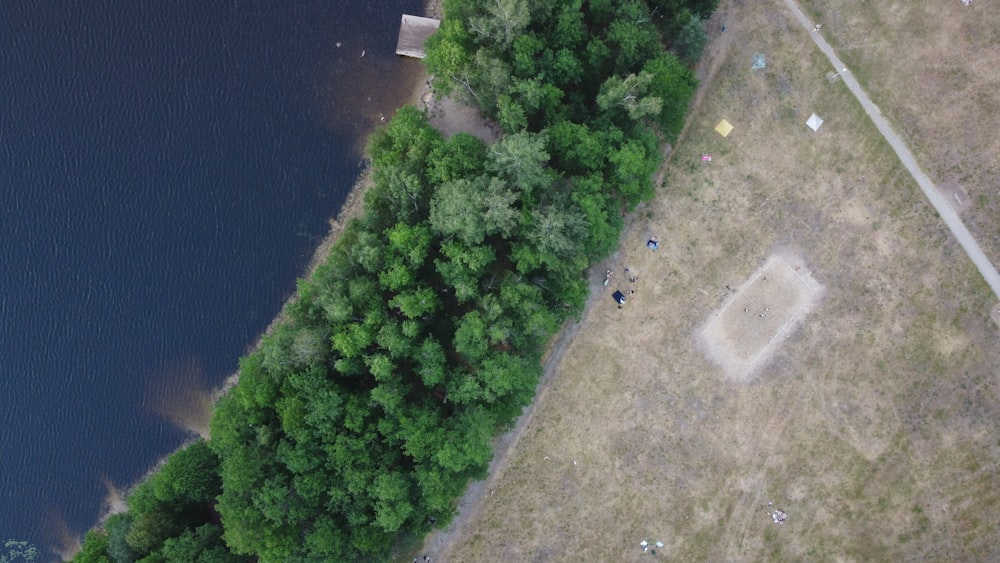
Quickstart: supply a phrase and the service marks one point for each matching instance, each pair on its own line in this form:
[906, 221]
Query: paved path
[933, 195]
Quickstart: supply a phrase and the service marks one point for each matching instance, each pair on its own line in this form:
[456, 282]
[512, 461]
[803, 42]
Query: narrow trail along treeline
[944, 209]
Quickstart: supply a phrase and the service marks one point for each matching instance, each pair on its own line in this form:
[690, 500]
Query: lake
[166, 172]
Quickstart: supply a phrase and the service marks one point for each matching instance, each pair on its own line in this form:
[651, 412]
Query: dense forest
[360, 420]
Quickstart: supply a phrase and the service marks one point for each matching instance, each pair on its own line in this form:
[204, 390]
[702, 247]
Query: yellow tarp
[724, 128]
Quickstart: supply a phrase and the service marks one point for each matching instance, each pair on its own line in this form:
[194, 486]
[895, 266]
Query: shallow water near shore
[166, 173]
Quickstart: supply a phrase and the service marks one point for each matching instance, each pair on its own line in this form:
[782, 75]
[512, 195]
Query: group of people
[645, 546]
[619, 296]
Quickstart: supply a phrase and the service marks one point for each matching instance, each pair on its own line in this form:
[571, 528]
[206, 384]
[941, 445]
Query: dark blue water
[166, 170]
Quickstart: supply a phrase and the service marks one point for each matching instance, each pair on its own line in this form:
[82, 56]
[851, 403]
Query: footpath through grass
[931, 68]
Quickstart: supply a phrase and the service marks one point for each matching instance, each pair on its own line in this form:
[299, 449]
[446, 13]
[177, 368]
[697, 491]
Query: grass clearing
[930, 66]
[872, 426]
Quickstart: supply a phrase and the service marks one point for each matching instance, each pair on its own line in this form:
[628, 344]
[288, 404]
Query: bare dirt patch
[759, 315]
[450, 117]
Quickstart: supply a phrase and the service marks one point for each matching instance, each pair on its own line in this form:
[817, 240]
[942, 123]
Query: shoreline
[353, 204]
[420, 96]
[352, 207]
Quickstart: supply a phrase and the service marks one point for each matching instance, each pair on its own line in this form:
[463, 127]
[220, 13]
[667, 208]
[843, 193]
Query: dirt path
[951, 219]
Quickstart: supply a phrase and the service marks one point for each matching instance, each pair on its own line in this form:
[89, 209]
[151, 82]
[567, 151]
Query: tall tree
[630, 94]
[521, 159]
[202, 545]
[691, 40]
[675, 85]
[633, 167]
[500, 23]
[471, 209]
[118, 527]
[449, 56]
[461, 156]
[632, 36]
[556, 232]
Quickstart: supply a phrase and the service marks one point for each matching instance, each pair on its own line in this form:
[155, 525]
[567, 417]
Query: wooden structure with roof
[413, 31]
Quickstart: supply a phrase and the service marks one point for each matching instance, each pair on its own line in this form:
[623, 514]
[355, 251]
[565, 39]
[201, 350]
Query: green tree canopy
[522, 160]
[691, 40]
[675, 85]
[630, 94]
[500, 22]
[471, 209]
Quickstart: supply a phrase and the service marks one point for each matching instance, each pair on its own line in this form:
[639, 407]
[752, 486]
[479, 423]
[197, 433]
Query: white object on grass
[814, 122]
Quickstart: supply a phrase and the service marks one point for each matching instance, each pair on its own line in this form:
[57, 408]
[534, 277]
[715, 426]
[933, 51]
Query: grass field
[872, 425]
[931, 67]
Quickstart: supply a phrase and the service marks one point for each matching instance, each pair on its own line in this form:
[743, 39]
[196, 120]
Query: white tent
[814, 122]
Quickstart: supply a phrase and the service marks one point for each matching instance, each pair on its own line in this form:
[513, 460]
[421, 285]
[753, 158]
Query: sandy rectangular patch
[757, 317]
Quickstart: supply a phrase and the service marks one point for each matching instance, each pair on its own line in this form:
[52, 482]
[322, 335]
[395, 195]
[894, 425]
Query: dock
[413, 32]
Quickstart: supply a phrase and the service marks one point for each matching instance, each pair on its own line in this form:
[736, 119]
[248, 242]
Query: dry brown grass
[873, 425]
[931, 66]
